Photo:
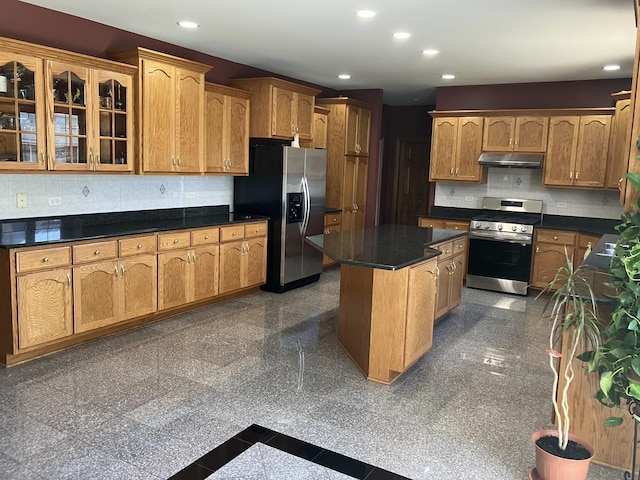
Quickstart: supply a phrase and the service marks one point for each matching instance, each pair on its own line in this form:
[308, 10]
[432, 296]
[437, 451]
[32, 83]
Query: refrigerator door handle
[307, 205]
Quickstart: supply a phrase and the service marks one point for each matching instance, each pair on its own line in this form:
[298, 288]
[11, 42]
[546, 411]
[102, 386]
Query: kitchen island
[393, 279]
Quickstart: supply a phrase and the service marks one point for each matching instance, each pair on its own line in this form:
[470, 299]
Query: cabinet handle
[97, 252]
[511, 143]
[68, 280]
[537, 249]
[139, 246]
[437, 273]
[620, 180]
[570, 175]
[97, 161]
[577, 173]
[451, 172]
[173, 162]
[188, 258]
[193, 258]
[589, 245]
[45, 259]
[42, 159]
[115, 269]
[91, 159]
[122, 269]
[178, 162]
[456, 171]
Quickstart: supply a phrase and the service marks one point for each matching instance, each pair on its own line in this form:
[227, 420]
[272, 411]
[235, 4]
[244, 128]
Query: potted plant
[571, 311]
[617, 358]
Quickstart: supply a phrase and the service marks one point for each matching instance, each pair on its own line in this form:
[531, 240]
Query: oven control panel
[502, 227]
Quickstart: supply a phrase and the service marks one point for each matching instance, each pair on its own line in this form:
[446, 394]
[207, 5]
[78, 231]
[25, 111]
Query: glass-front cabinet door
[22, 116]
[68, 137]
[113, 132]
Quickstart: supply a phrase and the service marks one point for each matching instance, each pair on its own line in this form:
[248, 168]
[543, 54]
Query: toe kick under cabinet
[56, 296]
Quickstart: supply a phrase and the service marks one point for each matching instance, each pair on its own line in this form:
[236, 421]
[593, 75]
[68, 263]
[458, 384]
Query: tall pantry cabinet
[348, 133]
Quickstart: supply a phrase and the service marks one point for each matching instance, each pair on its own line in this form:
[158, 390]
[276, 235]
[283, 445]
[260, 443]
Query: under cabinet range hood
[518, 160]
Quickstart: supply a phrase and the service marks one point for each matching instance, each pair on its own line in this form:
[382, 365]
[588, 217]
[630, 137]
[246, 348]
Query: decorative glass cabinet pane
[113, 122]
[70, 119]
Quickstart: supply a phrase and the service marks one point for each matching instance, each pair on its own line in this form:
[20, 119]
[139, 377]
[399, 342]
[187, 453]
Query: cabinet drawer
[137, 245]
[431, 223]
[556, 237]
[205, 236]
[234, 232]
[585, 240]
[90, 252]
[172, 241]
[454, 225]
[459, 244]
[43, 258]
[446, 248]
[332, 219]
[255, 230]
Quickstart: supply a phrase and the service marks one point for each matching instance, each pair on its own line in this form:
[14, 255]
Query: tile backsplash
[527, 183]
[50, 195]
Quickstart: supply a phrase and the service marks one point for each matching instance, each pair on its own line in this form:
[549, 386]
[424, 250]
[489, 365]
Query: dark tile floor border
[224, 453]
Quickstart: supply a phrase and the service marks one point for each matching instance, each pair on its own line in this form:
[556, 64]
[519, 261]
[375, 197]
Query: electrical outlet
[469, 198]
[53, 201]
[190, 195]
[562, 205]
[21, 200]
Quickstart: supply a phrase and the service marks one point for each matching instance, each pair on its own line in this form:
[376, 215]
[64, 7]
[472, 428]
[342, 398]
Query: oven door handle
[506, 237]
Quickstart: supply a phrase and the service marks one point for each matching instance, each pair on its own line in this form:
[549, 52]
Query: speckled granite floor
[147, 403]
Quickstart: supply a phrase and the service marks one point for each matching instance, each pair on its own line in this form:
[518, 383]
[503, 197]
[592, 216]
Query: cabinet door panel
[531, 134]
[455, 293]
[352, 130]
[173, 282]
[95, 296]
[158, 118]
[189, 120]
[282, 122]
[256, 261]
[420, 311]
[138, 286]
[364, 129]
[547, 259]
[238, 135]
[468, 149]
[498, 134]
[348, 192]
[443, 149]
[561, 150]
[22, 112]
[304, 115]
[214, 129]
[205, 272]
[442, 289]
[620, 144]
[593, 148]
[44, 307]
[230, 266]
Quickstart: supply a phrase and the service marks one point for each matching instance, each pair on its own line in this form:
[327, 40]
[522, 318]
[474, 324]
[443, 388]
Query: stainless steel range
[501, 244]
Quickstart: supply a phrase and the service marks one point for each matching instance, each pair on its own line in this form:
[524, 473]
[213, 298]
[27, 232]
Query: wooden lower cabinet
[331, 225]
[205, 272]
[549, 254]
[45, 311]
[451, 272]
[95, 296]
[242, 264]
[256, 262]
[420, 308]
[138, 286]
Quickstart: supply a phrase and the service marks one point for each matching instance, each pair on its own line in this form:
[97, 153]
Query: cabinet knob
[233, 234]
[206, 237]
[175, 241]
[45, 259]
[555, 237]
[257, 230]
[139, 246]
[97, 252]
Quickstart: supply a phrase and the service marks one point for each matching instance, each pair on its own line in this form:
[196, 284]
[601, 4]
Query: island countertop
[387, 247]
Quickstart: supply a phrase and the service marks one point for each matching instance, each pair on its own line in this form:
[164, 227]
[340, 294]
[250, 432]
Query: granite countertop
[388, 247]
[50, 230]
[597, 226]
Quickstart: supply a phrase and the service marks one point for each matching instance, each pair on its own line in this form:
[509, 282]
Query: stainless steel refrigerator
[288, 185]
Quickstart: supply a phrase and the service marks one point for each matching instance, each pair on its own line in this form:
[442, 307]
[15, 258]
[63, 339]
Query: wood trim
[135, 55]
[275, 82]
[225, 90]
[525, 112]
[343, 101]
[7, 303]
[621, 95]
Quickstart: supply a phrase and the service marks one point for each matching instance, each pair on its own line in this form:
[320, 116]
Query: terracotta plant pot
[552, 467]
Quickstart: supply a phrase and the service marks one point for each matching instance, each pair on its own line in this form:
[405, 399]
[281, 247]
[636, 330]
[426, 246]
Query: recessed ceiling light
[344, 76]
[401, 35]
[366, 13]
[430, 51]
[188, 24]
[448, 76]
[611, 68]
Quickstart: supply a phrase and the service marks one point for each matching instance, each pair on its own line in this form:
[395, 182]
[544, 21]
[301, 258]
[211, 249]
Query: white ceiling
[480, 41]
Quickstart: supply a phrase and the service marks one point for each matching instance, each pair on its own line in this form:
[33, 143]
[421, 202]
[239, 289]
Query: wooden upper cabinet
[620, 142]
[226, 143]
[515, 134]
[170, 108]
[577, 151]
[358, 131]
[279, 108]
[455, 147]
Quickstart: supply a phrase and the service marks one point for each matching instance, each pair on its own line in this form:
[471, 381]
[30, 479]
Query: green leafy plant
[571, 311]
[617, 359]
